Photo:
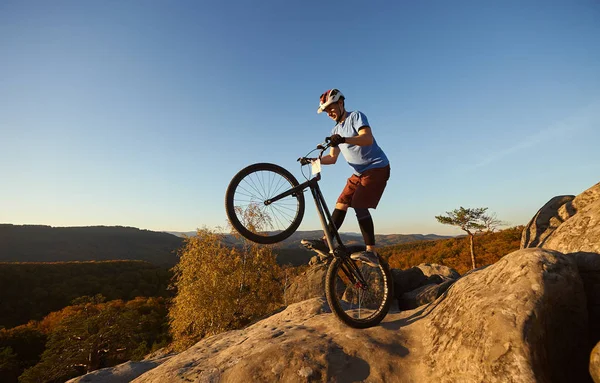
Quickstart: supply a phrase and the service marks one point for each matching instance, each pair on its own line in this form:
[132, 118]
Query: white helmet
[328, 98]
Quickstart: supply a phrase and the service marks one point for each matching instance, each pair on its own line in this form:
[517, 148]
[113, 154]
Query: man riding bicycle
[352, 136]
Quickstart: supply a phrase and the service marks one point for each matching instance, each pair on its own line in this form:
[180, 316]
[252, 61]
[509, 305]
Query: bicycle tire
[246, 194]
[345, 300]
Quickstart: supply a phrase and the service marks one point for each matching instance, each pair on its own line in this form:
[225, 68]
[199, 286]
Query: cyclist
[352, 136]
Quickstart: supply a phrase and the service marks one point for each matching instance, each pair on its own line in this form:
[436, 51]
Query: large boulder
[522, 319]
[424, 294]
[122, 373]
[545, 221]
[588, 265]
[309, 284]
[579, 233]
[407, 280]
[302, 343]
[567, 224]
[430, 269]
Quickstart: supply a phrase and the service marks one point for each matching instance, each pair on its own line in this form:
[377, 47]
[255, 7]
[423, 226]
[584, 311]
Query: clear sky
[138, 113]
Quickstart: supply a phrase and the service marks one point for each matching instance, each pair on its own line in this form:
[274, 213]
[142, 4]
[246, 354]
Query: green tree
[20, 348]
[93, 334]
[221, 288]
[469, 220]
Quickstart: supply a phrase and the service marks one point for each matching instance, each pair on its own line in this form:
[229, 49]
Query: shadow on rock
[347, 368]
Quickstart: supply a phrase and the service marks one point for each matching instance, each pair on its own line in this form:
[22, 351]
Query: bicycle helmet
[328, 98]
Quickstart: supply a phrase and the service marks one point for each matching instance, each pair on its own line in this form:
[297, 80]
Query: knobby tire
[342, 296]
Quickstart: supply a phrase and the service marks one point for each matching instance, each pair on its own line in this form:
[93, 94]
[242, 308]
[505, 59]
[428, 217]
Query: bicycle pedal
[318, 251]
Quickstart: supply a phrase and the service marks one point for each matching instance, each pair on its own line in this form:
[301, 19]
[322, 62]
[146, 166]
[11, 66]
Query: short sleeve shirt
[361, 158]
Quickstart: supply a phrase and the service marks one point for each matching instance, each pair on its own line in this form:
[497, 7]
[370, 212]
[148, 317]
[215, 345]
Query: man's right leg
[338, 215]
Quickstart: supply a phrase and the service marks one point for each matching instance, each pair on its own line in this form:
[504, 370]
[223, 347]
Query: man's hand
[335, 140]
[306, 160]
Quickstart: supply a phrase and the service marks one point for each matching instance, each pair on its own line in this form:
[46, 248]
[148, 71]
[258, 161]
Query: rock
[309, 284]
[522, 319]
[545, 221]
[588, 265]
[423, 295]
[407, 280]
[595, 363]
[586, 198]
[435, 269]
[434, 279]
[567, 224]
[580, 233]
[122, 373]
[302, 343]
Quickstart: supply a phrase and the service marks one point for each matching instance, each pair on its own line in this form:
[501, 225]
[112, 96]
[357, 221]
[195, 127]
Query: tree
[92, 334]
[470, 220]
[220, 288]
[491, 222]
[20, 348]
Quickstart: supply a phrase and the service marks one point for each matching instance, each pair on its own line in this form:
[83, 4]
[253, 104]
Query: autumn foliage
[221, 288]
[454, 252]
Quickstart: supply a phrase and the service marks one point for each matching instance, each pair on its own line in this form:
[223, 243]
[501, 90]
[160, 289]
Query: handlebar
[322, 147]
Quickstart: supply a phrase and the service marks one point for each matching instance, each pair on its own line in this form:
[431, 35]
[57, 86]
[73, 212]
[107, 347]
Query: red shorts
[364, 191]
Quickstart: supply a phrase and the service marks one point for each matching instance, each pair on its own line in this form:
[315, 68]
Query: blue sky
[138, 113]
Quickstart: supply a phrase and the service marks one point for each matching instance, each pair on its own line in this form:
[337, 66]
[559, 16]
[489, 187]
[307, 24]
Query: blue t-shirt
[361, 158]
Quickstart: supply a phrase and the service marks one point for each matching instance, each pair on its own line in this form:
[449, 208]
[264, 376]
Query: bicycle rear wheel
[250, 216]
[359, 306]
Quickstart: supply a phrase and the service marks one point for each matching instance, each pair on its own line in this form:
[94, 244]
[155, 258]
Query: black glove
[306, 160]
[335, 140]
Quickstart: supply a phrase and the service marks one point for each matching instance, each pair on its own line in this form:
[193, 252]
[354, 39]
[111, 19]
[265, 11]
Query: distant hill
[348, 238]
[36, 243]
[291, 252]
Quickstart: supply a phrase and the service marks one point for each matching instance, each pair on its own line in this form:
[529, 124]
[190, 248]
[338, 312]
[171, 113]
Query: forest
[63, 319]
[454, 252]
[37, 243]
[30, 291]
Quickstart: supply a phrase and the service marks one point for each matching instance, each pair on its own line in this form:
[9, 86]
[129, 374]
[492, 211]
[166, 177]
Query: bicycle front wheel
[246, 209]
[359, 306]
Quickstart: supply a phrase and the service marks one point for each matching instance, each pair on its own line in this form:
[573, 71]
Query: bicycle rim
[246, 209]
[359, 306]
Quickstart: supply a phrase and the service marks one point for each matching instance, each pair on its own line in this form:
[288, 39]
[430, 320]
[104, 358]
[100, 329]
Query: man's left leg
[365, 222]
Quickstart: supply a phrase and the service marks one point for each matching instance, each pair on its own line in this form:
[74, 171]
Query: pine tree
[470, 220]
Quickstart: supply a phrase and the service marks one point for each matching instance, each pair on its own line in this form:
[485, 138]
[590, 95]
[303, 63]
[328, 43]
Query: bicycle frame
[331, 233]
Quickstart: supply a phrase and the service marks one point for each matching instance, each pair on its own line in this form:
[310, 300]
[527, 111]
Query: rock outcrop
[576, 232]
[520, 320]
[581, 232]
[123, 373]
[545, 221]
[566, 223]
[533, 316]
[309, 284]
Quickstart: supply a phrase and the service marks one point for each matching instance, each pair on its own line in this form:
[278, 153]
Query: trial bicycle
[265, 204]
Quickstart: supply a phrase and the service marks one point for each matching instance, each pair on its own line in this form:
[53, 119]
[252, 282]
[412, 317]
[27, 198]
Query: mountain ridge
[43, 243]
